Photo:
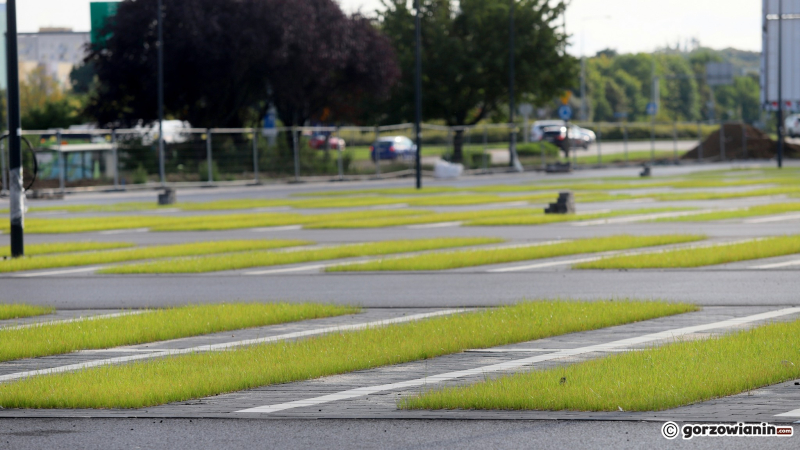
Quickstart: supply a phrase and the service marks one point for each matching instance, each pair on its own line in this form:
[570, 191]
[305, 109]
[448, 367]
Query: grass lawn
[633, 156]
[18, 311]
[539, 219]
[702, 256]
[651, 380]
[268, 258]
[154, 325]
[156, 251]
[153, 382]
[470, 258]
[66, 247]
[753, 211]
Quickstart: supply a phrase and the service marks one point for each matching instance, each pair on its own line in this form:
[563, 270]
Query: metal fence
[128, 158]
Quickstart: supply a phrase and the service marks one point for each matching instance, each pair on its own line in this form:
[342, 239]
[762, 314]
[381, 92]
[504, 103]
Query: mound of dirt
[755, 144]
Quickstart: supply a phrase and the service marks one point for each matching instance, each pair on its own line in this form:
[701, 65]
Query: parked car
[555, 132]
[581, 137]
[792, 125]
[538, 129]
[393, 147]
[317, 142]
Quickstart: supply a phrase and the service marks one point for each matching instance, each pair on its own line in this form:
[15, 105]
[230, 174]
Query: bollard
[209, 159]
[564, 205]
[167, 197]
[255, 155]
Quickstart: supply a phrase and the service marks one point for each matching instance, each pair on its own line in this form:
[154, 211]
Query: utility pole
[780, 84]
[161, 170]
[418, 94]
[512, 150]
[17, 195]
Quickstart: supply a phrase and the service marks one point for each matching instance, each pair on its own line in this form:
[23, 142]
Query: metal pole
[512, 136]
[161, 170]
[625, 141]
[653, 139]
[209, 160]
[17, 196]
[296, 136]
[780, 84]
[722, 141]
[583, 81]
[115, 157]
[675, 140]
[744, 140]
[62, 172]
[339, 154]
[3, 165]
[485, 146]
[700, 141]
[255, 154]
[377, 153]
[418, 96]
[599, 150]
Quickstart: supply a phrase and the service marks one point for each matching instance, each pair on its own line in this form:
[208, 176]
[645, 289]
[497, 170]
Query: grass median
[154, 325]
[478, 257]
[701, 256]
[150, 252]
[19, 311]
[650, 380]
[203, 374]
[66, 247]
[541, 219]
[272, 258]
[753, 211]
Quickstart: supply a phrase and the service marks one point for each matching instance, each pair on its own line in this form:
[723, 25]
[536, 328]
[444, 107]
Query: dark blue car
[393, 147]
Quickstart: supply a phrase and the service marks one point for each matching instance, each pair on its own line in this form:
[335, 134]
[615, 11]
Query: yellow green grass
[271, 258]
[478, 257]
[429, 217]
[154, 325]
[66, 247]
[650, 380]
[539, 219]
[151, 252]
[203, 374]
[702, 256]
[18, 311]
[753, 211]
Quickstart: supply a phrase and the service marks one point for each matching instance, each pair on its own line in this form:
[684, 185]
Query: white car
[792, 125]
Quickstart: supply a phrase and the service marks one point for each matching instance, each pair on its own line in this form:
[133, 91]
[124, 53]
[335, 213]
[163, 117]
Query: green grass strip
[540, 219]
[753, 211]
[651, 380]
[470, 258]
[66, 247]
[153, 326]
[703, 256]
[18, 311]
[203, 374]
[156, 251]
[461, 216]
[264, 259]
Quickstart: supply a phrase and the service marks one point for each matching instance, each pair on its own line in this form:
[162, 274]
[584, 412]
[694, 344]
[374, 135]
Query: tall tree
[465, 57]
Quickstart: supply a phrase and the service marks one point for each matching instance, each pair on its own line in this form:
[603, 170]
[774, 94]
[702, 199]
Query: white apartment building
[57, 49]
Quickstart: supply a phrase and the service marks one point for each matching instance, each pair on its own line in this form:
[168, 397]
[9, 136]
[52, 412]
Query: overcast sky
[631, 26]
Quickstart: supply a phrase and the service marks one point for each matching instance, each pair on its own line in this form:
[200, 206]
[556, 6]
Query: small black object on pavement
[564, 205]
[167, 197]
[645, 171]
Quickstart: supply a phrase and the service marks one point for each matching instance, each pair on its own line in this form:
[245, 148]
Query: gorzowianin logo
[671, 430]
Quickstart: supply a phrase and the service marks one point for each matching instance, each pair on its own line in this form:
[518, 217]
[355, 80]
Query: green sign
[100, 13]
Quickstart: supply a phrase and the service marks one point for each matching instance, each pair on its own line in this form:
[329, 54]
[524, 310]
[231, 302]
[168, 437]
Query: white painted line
[228, 345]
[596, 211]
[291, 269]
[793, 413]
[641, 217]
[286, 228]
[391, 206]
[543, 265]
[536, 350]
[76, 319]
[516, 364]
[55, 272]
[434, 225]
[794, 262]
[769, 219]
[126, 230]
[166, 210]
[271, 209]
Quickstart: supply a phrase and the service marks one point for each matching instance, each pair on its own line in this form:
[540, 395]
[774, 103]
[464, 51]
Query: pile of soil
[759, 145]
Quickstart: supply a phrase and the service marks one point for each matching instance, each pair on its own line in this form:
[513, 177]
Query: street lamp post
[418, 94]
[17, 195]
[512, 150]
[161, 170]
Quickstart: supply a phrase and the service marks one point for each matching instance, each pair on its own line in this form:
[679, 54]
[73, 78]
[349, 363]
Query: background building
[57, 49]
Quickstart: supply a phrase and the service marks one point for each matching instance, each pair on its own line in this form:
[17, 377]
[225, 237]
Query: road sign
[565, 98]
[565, 112]
[525, 109]
[651, 109]
[790, 62]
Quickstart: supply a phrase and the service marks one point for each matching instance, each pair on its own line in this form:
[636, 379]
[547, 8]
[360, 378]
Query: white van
[792, 125]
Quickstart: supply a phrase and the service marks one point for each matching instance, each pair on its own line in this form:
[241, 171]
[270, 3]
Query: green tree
[465, 58]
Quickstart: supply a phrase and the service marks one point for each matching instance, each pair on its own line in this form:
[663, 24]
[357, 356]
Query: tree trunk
[458, 146]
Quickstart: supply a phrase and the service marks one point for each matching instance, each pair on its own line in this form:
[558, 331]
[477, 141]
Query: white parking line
[227, 345]
[639, 218]
[392, 206]
[543, 265]
[55, 272]
[76, 319]
[794, 262]
[126, 230]
[286, 228]
[291, 269]
[516, 364]
[793, 413]
[768, 219]
[434, 225]
[535, 350]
